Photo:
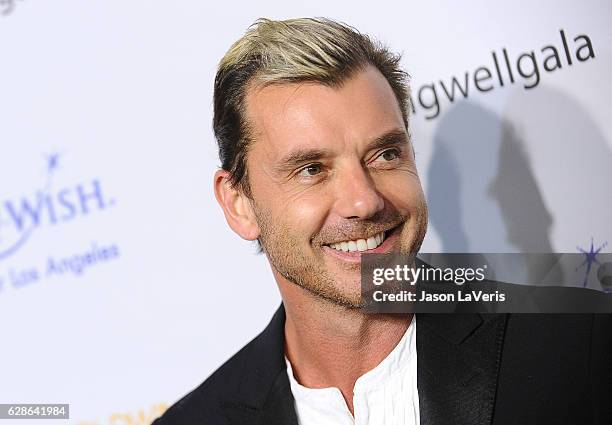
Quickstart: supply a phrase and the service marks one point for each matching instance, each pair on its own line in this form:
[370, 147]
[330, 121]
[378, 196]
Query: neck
[331, 346]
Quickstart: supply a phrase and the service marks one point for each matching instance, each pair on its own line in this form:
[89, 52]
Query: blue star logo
[52, 162]
[591, 257]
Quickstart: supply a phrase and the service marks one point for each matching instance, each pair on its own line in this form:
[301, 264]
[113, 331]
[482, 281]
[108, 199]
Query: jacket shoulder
[203, 405]
[241, 380]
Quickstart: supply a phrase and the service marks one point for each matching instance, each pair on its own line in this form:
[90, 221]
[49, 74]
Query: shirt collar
[389, 368]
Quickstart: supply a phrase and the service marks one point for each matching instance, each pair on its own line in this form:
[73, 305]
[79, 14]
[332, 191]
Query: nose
[357, 196]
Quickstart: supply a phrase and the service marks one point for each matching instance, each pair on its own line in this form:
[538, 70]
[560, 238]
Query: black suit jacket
[472, 369]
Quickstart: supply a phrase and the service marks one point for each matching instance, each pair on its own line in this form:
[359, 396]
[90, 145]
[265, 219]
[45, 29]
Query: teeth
[360, 244]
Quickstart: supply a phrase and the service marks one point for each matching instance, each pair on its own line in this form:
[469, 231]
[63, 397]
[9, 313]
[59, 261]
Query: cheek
[290, 210]
[306, 213]
[296, 212]
[404, 192]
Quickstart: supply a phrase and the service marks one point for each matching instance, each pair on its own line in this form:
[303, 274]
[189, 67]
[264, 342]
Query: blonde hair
[291, 51]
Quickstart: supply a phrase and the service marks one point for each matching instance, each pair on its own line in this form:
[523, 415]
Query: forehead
[284, 116]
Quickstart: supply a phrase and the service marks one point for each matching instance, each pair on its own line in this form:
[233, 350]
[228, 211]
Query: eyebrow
[302, 156]
[391, 138]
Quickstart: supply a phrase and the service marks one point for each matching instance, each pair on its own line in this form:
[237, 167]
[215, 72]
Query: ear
[236, 207]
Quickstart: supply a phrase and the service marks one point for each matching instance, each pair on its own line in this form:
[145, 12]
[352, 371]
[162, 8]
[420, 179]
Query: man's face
[332, 175]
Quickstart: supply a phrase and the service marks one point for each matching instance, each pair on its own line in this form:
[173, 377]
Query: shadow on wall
[572, 161]
[527, 220]
[496, 185]
[483, 196]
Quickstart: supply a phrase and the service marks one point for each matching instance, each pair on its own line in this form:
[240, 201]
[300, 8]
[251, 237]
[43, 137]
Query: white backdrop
[121, 286]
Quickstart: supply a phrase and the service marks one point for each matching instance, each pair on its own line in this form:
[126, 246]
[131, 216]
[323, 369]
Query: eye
[310, 170]
[388, 155]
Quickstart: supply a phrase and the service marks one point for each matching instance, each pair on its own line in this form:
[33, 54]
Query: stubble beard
[287, 257]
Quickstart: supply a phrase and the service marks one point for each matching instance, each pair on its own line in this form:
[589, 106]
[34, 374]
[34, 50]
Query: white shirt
[386, 395]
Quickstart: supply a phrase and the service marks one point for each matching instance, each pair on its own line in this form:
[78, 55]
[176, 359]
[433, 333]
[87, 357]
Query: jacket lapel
[280, 406]
[458, 362]
[265, 396]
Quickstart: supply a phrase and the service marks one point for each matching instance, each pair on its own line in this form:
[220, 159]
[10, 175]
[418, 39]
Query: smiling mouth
[360, 245]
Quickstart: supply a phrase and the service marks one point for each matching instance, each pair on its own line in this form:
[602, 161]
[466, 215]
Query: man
[311, 118]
